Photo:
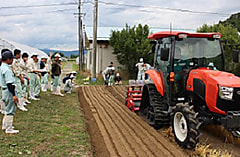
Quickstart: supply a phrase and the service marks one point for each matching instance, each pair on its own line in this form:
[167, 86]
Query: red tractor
[134, 95]
[188, 86]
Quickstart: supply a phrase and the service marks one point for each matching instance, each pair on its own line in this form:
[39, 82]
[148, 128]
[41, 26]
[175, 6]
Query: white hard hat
[73, 72]
[117, 74]
[44, 57]
[57, 55]
[141, 59]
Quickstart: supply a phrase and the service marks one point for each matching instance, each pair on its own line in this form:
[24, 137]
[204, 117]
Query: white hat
[72, 76]
[117, 74]
[141, 59]
[34, 54]
[73, 72]
[57, 55]
[44, 57]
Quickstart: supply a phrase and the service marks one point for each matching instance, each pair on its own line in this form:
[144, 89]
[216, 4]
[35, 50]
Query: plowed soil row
[115, 130]
[212, 135]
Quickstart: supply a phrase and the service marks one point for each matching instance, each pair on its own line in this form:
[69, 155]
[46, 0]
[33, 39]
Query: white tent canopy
[5, 44]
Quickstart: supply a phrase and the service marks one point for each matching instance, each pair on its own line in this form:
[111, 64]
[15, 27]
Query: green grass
[53, 126]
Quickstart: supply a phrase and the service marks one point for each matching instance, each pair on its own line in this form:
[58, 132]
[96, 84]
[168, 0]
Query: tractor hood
[218, 77]
[205, 83]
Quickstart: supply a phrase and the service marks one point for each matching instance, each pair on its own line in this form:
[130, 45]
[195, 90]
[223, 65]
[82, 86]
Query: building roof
[103, 33]
[11, 45]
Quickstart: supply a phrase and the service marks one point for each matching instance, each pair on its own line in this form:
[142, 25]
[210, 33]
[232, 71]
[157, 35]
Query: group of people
[109, 73]
[109, 76]
[142, 67]
[20, 75]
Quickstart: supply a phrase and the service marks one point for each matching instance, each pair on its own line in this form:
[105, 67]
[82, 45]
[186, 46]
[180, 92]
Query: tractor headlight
[225, 92]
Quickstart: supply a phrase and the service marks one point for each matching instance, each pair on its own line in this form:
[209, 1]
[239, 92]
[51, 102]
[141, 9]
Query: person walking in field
[34, 77]
[19, 80]
[44, 73]
[56, 74]
[140, 66]
[9, 96]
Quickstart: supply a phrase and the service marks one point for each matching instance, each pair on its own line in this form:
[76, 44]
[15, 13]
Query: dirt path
[115, 130]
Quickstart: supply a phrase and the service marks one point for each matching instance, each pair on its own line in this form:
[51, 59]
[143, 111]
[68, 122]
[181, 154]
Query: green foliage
[73, 56]
[230, 35]
[234, 20]
[130, 44]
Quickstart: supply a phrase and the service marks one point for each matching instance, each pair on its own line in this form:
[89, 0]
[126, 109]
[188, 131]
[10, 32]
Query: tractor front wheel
[185, 126]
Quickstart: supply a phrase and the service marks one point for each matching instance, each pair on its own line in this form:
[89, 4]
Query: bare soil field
[116, 131]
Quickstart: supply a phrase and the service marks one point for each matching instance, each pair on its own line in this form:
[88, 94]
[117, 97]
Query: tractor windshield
[200, 52]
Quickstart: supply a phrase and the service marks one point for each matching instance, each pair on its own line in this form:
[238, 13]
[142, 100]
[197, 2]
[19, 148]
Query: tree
[130, 44]
[230, 35]
[73, 56]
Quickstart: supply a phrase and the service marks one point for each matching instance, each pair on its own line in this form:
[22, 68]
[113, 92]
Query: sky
[53, 24]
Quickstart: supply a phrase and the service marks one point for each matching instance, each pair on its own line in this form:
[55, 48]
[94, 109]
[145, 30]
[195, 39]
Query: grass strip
[53, 126]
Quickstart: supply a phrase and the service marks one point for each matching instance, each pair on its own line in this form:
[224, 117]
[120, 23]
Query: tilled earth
[116, 131]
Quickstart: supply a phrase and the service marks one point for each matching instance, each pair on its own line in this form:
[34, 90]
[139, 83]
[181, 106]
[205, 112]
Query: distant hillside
[66, 53]
[234, 20]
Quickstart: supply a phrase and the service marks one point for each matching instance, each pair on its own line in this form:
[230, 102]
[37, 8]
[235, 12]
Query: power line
[163, 8]
[36, 6]
[22, 14]
[112, 4]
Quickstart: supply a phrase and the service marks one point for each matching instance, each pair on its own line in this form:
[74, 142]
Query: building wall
[103, 58]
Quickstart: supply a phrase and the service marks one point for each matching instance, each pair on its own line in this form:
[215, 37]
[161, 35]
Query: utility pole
[80, 35]
[94, 39]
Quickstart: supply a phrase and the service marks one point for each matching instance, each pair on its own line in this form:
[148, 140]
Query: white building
[6, 44]
[104, 52]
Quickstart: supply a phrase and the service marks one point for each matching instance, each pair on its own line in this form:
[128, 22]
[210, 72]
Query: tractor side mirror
[235, 55]
[164, 54]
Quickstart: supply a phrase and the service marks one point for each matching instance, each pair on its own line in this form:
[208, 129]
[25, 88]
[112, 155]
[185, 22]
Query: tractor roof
[165, 34]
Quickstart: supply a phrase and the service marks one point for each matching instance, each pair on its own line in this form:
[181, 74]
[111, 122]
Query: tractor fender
[157, 79]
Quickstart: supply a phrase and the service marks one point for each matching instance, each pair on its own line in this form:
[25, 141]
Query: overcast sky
[52, 23]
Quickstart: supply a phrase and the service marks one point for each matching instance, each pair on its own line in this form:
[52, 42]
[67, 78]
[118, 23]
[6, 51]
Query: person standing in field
[56, 74]
[146, 67]
[44, 73]
[9, 96]
[34, 77]
[140, 66]
[3, 106]
[19, 80]
[25, 69]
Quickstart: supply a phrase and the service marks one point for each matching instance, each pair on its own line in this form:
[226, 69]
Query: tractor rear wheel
[153, 107]
[185, 126]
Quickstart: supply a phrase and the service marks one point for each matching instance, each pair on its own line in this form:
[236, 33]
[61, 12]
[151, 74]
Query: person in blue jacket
[8, 92]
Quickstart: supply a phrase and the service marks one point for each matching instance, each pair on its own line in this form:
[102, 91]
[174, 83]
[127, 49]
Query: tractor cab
[177, 53]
